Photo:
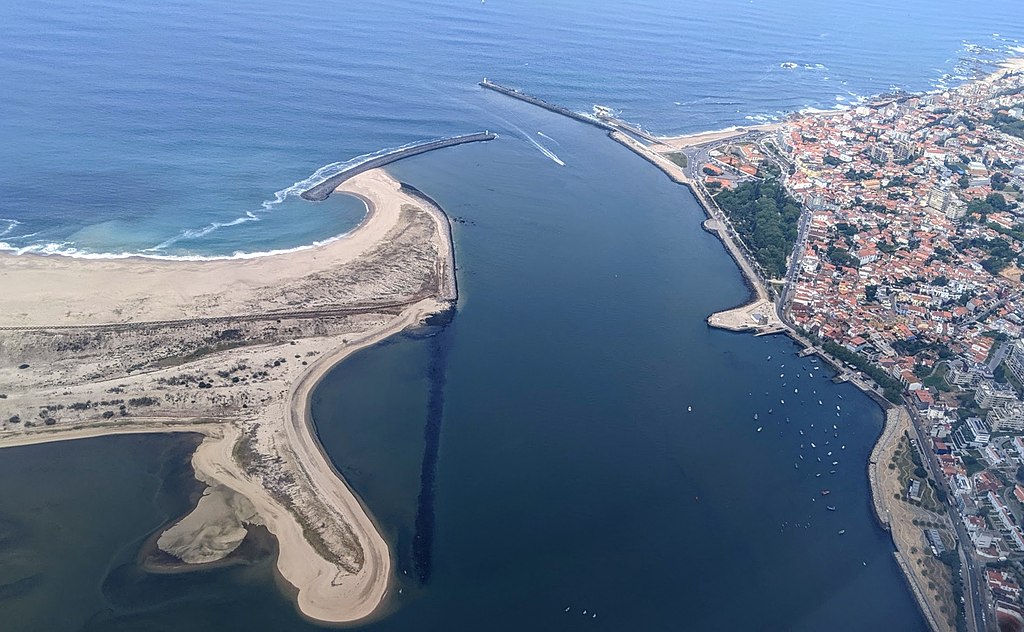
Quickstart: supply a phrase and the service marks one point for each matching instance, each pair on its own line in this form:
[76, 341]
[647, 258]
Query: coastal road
[975, 604]
[698, 155]
[793, 269]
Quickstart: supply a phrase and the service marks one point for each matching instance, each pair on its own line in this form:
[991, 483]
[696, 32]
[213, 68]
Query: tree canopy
[766, 218]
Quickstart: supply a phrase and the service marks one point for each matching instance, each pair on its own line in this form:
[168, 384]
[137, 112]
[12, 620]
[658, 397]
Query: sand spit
[231, 349]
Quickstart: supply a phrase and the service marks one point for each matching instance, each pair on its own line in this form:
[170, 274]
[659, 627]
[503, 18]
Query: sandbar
[232, 349]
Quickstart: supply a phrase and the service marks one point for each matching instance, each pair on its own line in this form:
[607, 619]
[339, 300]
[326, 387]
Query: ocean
[538, 454]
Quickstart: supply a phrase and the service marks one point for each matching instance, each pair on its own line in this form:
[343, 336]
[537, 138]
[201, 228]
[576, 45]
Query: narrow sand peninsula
[231, 349]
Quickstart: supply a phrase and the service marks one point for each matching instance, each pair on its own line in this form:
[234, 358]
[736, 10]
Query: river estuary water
[577, 438]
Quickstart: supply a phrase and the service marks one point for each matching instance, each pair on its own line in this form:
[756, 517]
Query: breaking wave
[69, 249]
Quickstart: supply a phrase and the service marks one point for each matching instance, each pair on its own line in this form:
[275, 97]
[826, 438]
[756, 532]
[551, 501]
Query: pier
[323, 190]
[630, 128]
[551, 107]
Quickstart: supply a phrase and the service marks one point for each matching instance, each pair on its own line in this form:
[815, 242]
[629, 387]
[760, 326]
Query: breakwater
[551, 107]
[323, 190]
[630, 128]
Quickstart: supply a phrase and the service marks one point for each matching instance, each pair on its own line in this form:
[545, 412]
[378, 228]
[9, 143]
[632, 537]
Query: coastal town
[890, 237]
[886, 238]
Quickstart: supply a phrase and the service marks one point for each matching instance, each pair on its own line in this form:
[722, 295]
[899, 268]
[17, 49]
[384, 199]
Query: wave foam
[11, 224]
[65, 249]
[68, 249]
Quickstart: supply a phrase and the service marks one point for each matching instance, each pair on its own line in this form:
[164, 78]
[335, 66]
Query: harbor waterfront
[580, 441]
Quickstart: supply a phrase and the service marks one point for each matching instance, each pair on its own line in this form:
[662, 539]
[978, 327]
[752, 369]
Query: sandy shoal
[45, 291]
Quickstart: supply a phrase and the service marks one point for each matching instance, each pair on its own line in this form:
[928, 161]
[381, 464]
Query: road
[975, 605]
[697, 157]
[975, 591]
[988, 309]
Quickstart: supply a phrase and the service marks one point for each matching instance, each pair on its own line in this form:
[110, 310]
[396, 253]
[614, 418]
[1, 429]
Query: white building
[1007, 417]
[1015, 360]
[990, 394]
[977, 432]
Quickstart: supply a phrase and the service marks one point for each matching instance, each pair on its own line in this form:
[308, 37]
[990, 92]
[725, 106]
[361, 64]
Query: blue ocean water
[179, 128]
[568, 471]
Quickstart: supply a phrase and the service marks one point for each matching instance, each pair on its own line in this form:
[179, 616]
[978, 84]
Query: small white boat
[689, 409]
[842, 531]
[759, 428]
[819, 402]
[813, 446]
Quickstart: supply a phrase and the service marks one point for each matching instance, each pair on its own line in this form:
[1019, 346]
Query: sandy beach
[675, 143]
[231, 349]
[55, 290]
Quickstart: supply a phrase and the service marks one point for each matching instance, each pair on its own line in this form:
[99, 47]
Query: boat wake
[547, 152]
[539, 133]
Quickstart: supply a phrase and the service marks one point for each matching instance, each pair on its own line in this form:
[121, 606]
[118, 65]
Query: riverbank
[760, 315]
[905, 522]
[232, 350]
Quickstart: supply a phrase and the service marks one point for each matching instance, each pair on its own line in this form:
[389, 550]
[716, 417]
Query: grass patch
[680, 159]
[903, 459]
[171, 361]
